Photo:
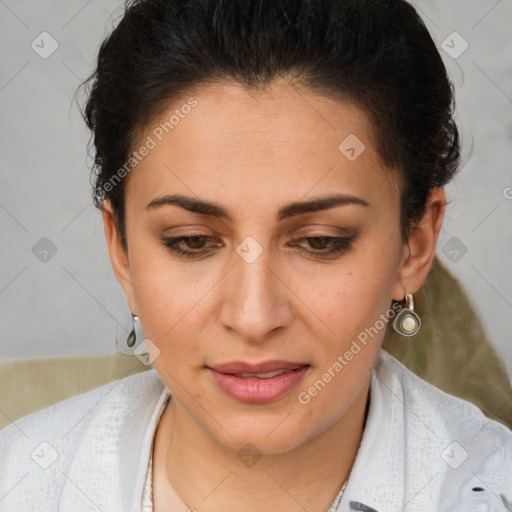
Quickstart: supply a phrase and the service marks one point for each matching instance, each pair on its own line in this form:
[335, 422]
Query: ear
[420, 249]
[118, 254]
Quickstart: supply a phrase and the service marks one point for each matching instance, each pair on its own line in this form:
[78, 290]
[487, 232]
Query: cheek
[172, 301]
[351, 299]
[165, 307]
[347, 328]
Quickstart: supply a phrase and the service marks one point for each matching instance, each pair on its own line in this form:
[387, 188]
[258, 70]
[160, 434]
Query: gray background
[69, 303]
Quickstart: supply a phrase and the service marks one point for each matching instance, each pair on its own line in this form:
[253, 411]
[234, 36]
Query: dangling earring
[407, 322]
[135, 337]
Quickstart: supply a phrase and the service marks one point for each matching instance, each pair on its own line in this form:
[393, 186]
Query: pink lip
[253, 390]
[267, 366]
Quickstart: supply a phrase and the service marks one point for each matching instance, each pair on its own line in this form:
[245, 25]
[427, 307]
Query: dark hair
[376, 53]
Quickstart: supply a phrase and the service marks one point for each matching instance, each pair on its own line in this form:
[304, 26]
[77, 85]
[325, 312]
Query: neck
[210, 477]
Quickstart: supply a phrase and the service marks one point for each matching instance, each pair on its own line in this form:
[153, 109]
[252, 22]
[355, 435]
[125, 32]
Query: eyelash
[339, 245]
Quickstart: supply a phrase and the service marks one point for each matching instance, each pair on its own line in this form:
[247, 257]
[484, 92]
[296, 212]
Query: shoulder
[41, 446]
[444, 410]
[62, 414]
[469, 450]
[427, 450]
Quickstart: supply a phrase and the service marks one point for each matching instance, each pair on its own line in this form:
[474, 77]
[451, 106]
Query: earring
[135, 337]
[407, 322]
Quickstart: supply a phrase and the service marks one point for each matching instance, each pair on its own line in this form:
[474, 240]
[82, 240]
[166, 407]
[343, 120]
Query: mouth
[259, 383]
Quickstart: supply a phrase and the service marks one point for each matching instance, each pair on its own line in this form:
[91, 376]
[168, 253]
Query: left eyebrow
[321, 203]
[292, 209]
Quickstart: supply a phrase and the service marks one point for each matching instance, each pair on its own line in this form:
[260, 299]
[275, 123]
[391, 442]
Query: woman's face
[295, 254]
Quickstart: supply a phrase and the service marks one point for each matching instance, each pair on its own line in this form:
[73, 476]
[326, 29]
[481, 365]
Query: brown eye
[191, 246]
[319, 242]
[324, 246]
[196, 242]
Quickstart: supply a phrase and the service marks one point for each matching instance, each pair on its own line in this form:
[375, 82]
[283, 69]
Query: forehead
[284, 137]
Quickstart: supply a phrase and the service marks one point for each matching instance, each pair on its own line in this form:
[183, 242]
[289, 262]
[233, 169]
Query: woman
[270, 175]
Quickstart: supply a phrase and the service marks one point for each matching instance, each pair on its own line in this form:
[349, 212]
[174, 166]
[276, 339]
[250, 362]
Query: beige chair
[451, 351]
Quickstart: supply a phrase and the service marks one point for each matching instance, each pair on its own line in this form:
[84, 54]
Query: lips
[258, 383]
[269, 366]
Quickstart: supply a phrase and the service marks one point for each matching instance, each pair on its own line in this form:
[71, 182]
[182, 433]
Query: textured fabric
[337, 500]
[421, 450]
[29, 385]
[147, 491]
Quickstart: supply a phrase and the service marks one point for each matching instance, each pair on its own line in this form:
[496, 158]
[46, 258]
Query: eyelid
[192, 230]
[335, 239]
[332, 231]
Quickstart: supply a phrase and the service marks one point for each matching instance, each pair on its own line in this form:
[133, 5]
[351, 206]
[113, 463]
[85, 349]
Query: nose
[255, 302]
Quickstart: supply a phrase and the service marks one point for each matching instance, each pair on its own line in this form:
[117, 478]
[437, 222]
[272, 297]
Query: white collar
[112, 479]
[400, 459]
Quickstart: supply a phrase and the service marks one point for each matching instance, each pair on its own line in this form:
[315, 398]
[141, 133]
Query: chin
[266, 434]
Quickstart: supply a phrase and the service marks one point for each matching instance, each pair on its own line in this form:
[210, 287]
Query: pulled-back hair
[376, 53]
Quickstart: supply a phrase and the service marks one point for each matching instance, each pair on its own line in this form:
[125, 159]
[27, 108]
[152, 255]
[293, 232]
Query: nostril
[477, 489]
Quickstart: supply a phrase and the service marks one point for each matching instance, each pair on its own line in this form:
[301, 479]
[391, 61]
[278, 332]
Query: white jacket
[421, 450]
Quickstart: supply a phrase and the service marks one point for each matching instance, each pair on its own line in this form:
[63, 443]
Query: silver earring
[135, 337]
[407, 322]
[130, 344]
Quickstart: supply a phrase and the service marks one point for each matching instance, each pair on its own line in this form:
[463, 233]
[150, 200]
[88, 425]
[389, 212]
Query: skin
[252, 153]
